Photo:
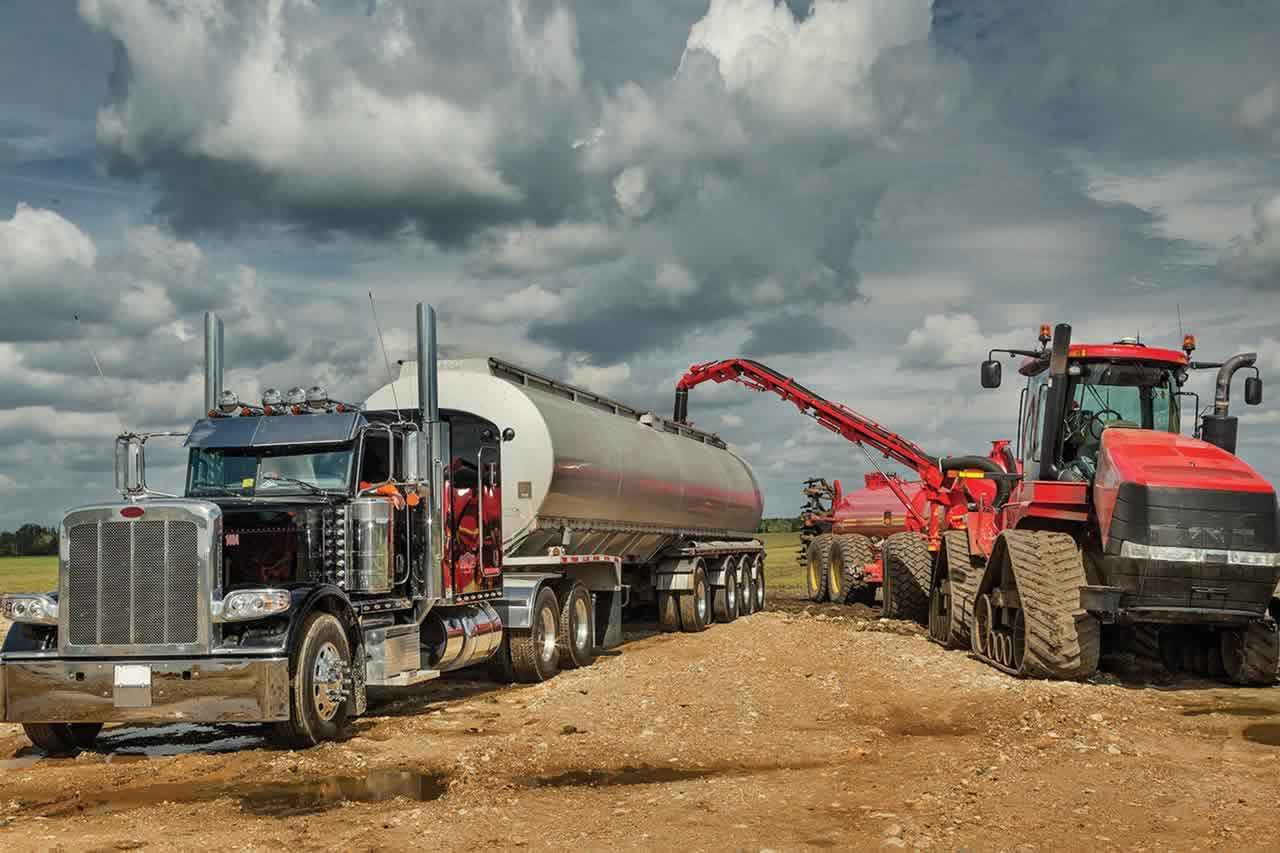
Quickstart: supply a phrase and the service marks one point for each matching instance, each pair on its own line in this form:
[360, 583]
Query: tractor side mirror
[991, 374]
[1253, 390]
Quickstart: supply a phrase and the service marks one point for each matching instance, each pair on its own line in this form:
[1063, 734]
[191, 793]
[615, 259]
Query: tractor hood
[1169, 460]
[1163, 489]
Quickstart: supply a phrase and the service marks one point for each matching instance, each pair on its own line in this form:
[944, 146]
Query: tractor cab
[1075, 393]
[1124, 385]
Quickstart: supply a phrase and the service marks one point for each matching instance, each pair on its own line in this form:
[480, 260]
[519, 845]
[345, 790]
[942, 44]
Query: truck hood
[1169, 460]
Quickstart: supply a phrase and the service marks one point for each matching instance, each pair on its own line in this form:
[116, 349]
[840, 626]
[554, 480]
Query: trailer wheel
[1250, 655]
[576, 645]
[725, 600]
[746, 586]
[817, 569]
[694, 604]
[906, 562]
[62, 738]
[850, 554]
[668, 611]
[535, 656]
[757, 582]
[319, 684]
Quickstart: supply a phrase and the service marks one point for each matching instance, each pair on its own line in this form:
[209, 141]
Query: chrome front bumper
[199, 690]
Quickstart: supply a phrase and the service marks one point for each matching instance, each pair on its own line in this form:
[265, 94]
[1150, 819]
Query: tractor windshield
[1107, 395]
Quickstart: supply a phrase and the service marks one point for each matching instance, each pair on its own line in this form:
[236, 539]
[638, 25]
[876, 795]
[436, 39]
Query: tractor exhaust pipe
[212, 361]
[1221, 428]
[1055, 402]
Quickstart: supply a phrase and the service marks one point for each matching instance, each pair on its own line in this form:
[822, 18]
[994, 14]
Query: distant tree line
[29, 540]
[779, 525]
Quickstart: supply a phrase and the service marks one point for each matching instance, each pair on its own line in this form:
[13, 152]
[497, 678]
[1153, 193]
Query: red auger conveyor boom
[943, 495]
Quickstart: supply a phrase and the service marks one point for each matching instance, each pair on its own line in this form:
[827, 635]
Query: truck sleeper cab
[320, 549]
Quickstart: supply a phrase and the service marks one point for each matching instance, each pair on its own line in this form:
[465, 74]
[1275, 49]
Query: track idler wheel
[1028, 622]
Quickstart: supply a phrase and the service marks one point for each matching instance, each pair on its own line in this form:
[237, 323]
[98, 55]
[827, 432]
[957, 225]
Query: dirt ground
[797, 728]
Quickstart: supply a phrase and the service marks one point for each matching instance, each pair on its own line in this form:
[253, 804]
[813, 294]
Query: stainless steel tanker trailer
[321, 548]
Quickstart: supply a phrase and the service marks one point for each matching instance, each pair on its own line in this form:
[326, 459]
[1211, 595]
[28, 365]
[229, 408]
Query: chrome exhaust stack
[213, 339]
[433, 453]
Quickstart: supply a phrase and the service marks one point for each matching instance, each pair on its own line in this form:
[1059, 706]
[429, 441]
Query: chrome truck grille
[137, 586]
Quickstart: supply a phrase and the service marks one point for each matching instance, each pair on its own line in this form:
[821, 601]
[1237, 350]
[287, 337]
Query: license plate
[133, 686]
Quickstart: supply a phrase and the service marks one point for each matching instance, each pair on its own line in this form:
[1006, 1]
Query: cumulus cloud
[603, 380]
[1254, 258]
[406, 117]
[945, 340]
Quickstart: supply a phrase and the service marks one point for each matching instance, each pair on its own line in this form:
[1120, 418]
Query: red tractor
[842, 533]
[1100, 513]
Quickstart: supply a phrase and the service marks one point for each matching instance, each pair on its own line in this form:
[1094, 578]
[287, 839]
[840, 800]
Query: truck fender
[519, 590]
[677, 574]
[330, 599]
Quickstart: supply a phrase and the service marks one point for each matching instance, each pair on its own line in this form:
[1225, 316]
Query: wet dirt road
[790, 729]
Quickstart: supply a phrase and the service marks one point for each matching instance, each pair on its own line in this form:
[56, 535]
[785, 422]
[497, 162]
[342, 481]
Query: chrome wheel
[582, 623]
[327, 677]
[700, 599]
[546, 639]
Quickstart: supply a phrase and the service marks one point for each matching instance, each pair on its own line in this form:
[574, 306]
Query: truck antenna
[105, 384]
[1181, 334]
[391, 380]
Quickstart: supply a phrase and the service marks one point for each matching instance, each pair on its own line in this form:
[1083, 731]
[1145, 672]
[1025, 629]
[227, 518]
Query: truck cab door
[474, 510]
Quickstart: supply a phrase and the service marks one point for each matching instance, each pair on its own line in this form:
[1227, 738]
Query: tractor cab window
[1109, 395]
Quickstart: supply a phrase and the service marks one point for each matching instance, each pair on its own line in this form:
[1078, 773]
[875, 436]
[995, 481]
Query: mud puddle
[265, 800]
[1267, 734]
[650, 774]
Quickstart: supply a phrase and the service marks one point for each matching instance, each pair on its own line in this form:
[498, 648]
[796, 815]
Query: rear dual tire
[726, 603]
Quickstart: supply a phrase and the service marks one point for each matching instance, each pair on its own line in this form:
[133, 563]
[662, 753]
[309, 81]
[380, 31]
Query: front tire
[62, 738]
[319, 684]
[576, 645]
[535, 655]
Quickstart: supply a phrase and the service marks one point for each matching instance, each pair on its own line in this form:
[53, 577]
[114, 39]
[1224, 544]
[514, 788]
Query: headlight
[251, 604]
[31, 609]
[1174, 554]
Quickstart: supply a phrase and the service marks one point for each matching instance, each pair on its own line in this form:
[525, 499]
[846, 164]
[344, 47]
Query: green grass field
[40, 574]
[781, 569]
[28, 574]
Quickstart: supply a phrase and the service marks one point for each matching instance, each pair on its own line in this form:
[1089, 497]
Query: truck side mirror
[1253, 390]
[131, 465]
[991, 374]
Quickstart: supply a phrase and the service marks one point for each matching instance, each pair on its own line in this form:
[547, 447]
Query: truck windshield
[267, 470]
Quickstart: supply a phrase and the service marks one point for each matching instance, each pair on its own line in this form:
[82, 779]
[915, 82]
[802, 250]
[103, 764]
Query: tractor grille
[132, 583]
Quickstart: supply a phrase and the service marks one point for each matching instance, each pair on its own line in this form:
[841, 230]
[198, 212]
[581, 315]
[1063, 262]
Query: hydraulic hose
[982, 463]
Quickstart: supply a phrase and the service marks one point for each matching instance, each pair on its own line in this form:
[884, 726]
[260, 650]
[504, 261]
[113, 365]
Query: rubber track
[855, 549]
[965, 579]
[821, 546]
[908, 569]
[1063, 641]
[1261, 654]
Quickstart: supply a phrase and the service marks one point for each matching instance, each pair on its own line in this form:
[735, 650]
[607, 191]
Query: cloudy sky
[865, 194]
